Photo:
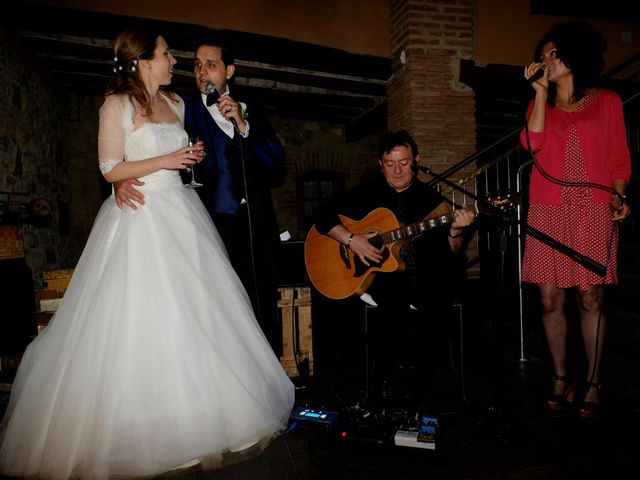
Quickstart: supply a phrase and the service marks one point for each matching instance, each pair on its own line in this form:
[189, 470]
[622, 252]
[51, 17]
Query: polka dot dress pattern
[578, 223]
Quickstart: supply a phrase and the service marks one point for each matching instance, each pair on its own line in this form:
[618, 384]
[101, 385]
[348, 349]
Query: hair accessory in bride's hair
[117, 66]
[129, 67]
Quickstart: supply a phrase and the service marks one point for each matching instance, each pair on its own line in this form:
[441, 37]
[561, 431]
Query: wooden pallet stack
[49, 298]
[297, 340]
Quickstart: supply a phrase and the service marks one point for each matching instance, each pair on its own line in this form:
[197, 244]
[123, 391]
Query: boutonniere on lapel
[243, 110]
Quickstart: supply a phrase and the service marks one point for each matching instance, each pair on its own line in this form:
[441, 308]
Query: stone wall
[312, 147]
[88, 188]
[32, 151]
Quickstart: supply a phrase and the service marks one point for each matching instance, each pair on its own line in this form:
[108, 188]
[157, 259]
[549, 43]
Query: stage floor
[477, 439]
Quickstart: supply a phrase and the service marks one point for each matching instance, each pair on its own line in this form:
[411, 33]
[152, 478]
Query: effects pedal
[313, 417]
[423, 435]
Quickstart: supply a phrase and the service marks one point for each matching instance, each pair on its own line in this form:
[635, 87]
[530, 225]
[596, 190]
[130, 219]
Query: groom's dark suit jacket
[223, 189]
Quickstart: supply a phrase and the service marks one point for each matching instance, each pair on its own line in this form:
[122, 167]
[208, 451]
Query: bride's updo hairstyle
[132, 45]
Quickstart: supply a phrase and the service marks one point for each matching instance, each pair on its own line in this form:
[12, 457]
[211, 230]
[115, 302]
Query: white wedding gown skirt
[153, 359]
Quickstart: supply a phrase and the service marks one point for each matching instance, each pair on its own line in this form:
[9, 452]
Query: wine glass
[192, 183]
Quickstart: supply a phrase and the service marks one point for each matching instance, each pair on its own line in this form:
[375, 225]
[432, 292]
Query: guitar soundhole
[376, 242]
[361, 268]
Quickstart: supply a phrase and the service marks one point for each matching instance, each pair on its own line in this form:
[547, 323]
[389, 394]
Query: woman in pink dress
[582, 168]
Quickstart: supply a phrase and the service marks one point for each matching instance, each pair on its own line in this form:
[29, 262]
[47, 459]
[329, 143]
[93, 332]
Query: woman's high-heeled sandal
[561, 401]
[590, 409]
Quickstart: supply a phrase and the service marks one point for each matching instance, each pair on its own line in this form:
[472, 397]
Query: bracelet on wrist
[349, 239]
[457, 235]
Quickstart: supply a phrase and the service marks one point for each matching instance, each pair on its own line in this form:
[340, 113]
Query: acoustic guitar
[338, 273]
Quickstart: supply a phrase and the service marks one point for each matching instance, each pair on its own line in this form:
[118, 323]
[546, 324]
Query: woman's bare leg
[554, 321]
[593, 324]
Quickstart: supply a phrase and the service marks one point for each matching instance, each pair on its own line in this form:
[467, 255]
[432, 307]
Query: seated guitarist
[414, 302]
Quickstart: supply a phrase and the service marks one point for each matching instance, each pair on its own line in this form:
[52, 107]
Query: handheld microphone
[538, 74]
[212, 93]
[212, 97]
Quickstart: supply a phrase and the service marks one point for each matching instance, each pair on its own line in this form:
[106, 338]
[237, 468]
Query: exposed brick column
[424, 94]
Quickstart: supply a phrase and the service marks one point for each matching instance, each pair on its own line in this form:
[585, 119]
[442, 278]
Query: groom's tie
[212, 98]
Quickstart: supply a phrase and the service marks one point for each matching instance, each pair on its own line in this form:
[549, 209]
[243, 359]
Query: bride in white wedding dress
[154, 359]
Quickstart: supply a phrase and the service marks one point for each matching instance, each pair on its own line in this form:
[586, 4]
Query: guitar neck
[407, 231]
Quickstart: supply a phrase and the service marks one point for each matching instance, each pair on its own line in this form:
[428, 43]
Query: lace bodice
[153, 139]
[118, 141]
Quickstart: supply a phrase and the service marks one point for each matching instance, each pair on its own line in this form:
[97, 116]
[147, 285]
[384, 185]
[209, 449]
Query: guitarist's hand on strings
[358, 243]
[367, 253]
[462, 218]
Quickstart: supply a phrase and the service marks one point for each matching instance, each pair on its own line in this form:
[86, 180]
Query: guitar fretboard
[408, 231]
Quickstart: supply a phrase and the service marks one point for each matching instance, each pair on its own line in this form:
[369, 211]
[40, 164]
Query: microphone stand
[494, 327]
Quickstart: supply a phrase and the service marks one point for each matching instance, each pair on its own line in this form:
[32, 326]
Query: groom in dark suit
[244, 161]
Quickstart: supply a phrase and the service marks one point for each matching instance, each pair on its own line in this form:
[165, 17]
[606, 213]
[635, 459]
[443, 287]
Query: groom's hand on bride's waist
[126, 194]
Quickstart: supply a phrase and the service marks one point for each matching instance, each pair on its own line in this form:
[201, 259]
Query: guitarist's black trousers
[407, 345]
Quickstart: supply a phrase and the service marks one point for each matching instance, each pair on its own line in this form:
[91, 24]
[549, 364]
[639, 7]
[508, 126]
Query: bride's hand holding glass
[185, 157]
[197, 147]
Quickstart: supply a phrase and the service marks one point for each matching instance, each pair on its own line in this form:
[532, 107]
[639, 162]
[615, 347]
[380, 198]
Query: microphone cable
[247, 198]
